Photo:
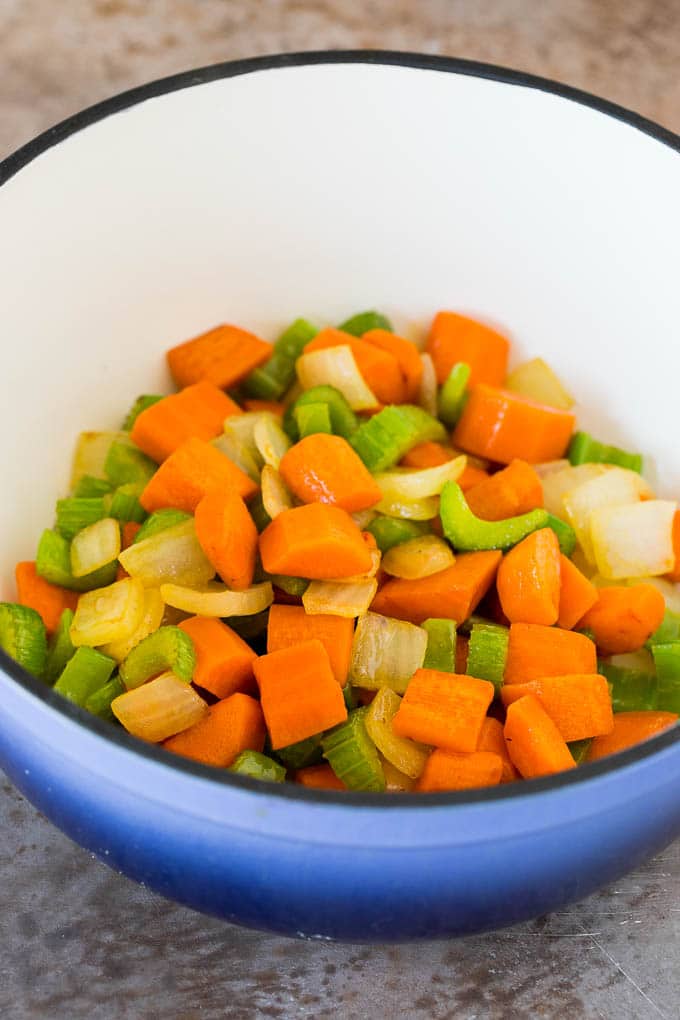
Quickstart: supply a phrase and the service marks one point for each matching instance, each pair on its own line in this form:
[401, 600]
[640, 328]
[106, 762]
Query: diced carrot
[224, 662]
[462, 650]
[472, 476]
[197, 412]
[535, 651]
[189, 474]
[514, 490]
[273, 406]
[291, 625]
[319, 777]
[455, 338]
[228, 536]
[630, 728]
[407, 355]
[579, 705]
[674, 574]
[300, 695]
[504, 426]
[233, 725]
[48, 600]
[223, 356]
[426, 455]
[528, 579]
[325, 469]
[623, 618]
[314, 541]
[577, 594]
[450, 770]
[444, 709]
[453, 593]
[130, 529]
[534, 743]
[379, 368]
[491, 739]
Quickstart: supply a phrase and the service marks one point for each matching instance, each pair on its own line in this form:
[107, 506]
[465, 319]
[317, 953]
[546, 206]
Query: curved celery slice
[391, 531]
[84, 673]
[453, 393]
[386, 652]
[99, 703]
[271, 380]
[258, 766]
[352, 755]
[23, 636]
[406, 755]
[160, 708]
[171, 556]
[343, 420]
[126, 463]
[125, 505]
[60, 648]
[467, 532]
[488, 652]
[387, 436]
[95, 546]
[362, 322]
[168, 648]
[312, 418]
[53, 562]
[583, 449]
[566, 536]
[108, 614]
[303, 753]
[159, 520]
[217, 600]
[74, 514]
[441, 645]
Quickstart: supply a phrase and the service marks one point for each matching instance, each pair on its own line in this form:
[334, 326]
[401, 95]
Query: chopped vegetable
[168, 648]
[456, 338]
[440, 653]
[387, 436]
[49, 600]
[23, 636]
[390, 531]
[566, 536]
[579, 705]
[427, 391]
[487, 652]
[342, 418]
[630, 728]
[256, 765]
[418, 557]
[634, 540]
[90, 454]
[492, 739]
[406, 755]
[535, 379]
[160, 708]
[465, 531]
[95, 546]
[403, 484]
[614, 488]
[339, 598]
[667, 663]
[74, 514]
[336, 366]
[108, 614]
[125, 505]
[223, 356]
[583, 449]
[362, 322]
[623, 618]
[60, 648]
[213, 599]
[631, 690]
[379, 369]
[453, 593]
[125, 463]
[444, 709]
[513, 491]
[197, 412]
[223, 660]
[303, 754]
[270, 440]
[89, 487]
[222, 733]
[159, 521]
[271, 380]
[292, 625]
[528, 580]
[449, 770]
[535, 745]
[189, 473]
[386, 653]
[535, 651]
[140, 404]
[325, 469]
[577, 594]
[453, 394]
[312, 418]
[314, 541]
[99, 702]
[352, 755]
[151, 619]
[85, 673]
[228, 536]
[172, 555]
[407, 356]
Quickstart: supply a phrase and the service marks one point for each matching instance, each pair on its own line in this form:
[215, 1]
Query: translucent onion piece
[239, 453]
[405, 755]
[270, 440]
[408, 484]
[108, 614]
[171, 556]
[386, 653]
[550, 467]
[95, 546]
[641, 660]
[418, 557]
[241, 427]
[535, 379]
[159, 709]
[276, 496]
[217, 600]
[413, 510]
[152, 617]
[427, 395]
[91, 452]
[557, 483]
[616, 487]
[634, 540]
[337, 598]
[336, 366]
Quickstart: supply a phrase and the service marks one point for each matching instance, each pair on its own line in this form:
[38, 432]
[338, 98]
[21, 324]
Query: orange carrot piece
[224, 662]
[504, 426]
[197, 412]
[273, 406]
[674, 574]
[535, 651]
[579, 705]
[314, 541]
[444, 709]
[223, 356]
[515, 490]
[319, 777]
[426, 455]
[462, 651]
[325, 469]
[379, 368]
[130, 529]
[228, 536]
[528, 579]
[535, 745]
[233, 725]
[291, 625]
[630, 728]
[623, 618]
[48, 600]
[450, 770]
[472, 476]
[299, 693]
[407, 355]
[453, 593]
[491, 739]
[577, 594]
[189, 474]
[455, 338]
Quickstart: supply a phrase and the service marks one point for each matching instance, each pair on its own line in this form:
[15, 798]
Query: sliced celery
[271, 380]
[387, 436]
[441, 645]
[349, 695]
[168, 648]
[312, 418]
[579, 749]
[171, 556]
[352, 755]
[362, 322]
[159, 521]
[406, 755]
[125, 505]
[488, 652]
[668, 631]
[391, 531]
[23, 636]
[566, 535]
[256, 765]
[99, 703]
[303, 753]
[108, 614]
[386, 652]
[631, 690]
[141, 404]
[95, 546]
[667, 662]
[344, 421]
[467, 532]
[453, 394]
[85, 672]
[53, 562]
[584, 449]
[89, 487]
[125, 463]
[160, 708]
[75, 513]
[60, 648]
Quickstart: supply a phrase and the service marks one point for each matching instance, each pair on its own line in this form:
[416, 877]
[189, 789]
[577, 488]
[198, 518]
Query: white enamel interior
[320, 191]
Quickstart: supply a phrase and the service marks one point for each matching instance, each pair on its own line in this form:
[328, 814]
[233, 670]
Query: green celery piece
[53, 562]
[258, 512]
[89, 487]
[349, 695]
[271, 380]
[467, 532]
[441, 645]
[125, 463]
[99, 703]
[167, 648]
[632, 690]
[85, 672]
[159, 521]
[579, 749]
[362, 322]
[487, 652]
[296, 586]
[453, 394]
[60, 648]
[667, 662]
[23, 636]
[391, 531]
[303, 753]
[258, 766]
[566, 536]
[344, 421]
[75, 513]
[351, 754]
[125, 505]
[583, 449]
[669, 630]
[141, 404]
[387, 436]
[312, 418]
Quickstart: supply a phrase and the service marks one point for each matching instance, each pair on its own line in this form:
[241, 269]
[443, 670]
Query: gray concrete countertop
[79, 941]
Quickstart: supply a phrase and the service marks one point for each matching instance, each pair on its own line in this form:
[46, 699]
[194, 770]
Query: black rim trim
[231, 69]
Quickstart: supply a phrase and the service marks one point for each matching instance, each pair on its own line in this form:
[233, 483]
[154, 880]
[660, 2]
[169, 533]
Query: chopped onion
[276, 496]
[616, 487]
[336, 366]
[386, 652]
[550, 467]
[108, 614]
[337, 598]
[427, 395]
[535, 379]
[557, 483]
[418, 557]
[91, 451]
[239, 453]
[270, 439]
[152, 618]
[241, 427]
[173, 555]
[405, 755]
[409, 484]
[95, 546]
[160, 708]
[634, 539]
[217, 600]
[411, 510]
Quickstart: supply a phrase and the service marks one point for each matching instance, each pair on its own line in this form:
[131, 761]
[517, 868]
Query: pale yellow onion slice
[239, 453]
[337, 598]
[217, 600]
[276, 496]
[536, 379]
[336, 366]
[634, 539]
[95, 546]
[557, 483]
[418, 557]
[409, 484]
[160, 708]
[386, 652]
[412, 510]
[241, 427]
[615, 487]
[427, 395]
[550, 467]
[91, 452]
[270, 440]
[108, 614]
[407, 756]
[152, 618]
[173, 555]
